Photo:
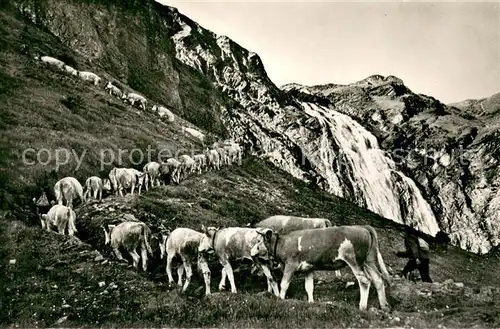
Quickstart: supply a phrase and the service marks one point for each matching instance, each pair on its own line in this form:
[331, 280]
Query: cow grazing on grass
[332, 248]
[60, 217]
[188, 165]
[170, 170]
[129, 236]
[94, 186]
[68, 189]
[89, 76]
[71, 70]
[124, 178]
[213, 159]
[51, 61]
[151, 174]
[163, 112]
[113, 90]
[190, 246]
[133, 98]
[201, 162]
[235, 243]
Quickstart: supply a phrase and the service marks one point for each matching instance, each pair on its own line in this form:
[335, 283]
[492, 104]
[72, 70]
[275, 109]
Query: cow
[222, 155]
[164, 112]
[129, 236]
[60, 217]
[332, 248]
[235, 243]
[213, 159]
[68, 189]
[151, 174]
[71, 70]
[188, 165]
[51, 61]
[189, 245]
[113, 90]
[283, 224]
[95, 185]
[171, 169]
[128, 178]
[132, 98]
[89, 76]
[193, 132]
[200, 162]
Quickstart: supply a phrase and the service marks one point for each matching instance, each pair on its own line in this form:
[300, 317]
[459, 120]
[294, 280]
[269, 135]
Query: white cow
[201, 162]
[234, 243]
[194, 133]
[132, 98]
[151, 174]
[213, 159]
[190, 246]
[164, 112]
[68, 189]
[129, 236]
[51, 61]
[113, 90]
[188, 165]
[60, 217]
[95, 185]
[124, 178]
[71, 70]
[171, 169]
[89, 76]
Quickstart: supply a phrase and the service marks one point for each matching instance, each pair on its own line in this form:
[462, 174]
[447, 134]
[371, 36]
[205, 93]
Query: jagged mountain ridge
[294, 130]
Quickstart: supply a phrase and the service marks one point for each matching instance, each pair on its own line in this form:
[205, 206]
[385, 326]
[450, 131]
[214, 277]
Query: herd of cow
[132, 98]
[292, 243]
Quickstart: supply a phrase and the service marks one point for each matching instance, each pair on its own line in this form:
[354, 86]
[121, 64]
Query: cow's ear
[203, 228]
[269, 234]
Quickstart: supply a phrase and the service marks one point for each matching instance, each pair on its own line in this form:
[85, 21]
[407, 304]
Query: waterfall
[349, 158]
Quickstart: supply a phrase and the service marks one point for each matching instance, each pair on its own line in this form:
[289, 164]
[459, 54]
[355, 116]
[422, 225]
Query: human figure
[417, 253]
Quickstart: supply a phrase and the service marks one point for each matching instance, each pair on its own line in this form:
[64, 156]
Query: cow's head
[106, 184]
[162, 243]
[107, 233]
[207, 242]
[260, 242]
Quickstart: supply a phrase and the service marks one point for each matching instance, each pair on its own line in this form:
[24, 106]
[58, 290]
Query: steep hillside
[341, 137]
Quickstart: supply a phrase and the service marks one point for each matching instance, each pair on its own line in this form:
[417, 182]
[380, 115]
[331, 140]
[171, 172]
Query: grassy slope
[52, 271]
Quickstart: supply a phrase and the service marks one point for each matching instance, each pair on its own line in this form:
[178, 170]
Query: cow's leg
[189, 272]
[230, 276]
[96, 193]
[379, 285]
[144, 256]
[132, 189]
[170, 256]
[100, 194]
[86, 193]
[118, 254]
[146, 182]
[222, 283]
[270, 279]
[309, 285]
[338, 274]
[287, 277]
[363, 281]
[203, 266]
[180, 274]
[136, 258]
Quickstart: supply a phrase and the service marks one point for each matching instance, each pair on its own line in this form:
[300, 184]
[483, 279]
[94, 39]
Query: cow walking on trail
[235, 243]
[332, 248]
[417, 252]
[129, 236]
[190, 246]
[68, 189]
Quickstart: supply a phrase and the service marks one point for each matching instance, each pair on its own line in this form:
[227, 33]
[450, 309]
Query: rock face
[374, 142]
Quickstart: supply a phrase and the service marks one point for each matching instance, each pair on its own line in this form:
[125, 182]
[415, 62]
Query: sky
[448, 50]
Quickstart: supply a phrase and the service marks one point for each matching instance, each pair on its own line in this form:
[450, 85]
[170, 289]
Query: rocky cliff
[374, 142]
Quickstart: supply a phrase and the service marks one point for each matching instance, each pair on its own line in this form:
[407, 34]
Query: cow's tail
[71, 221]
[328, 223]
[380, 260]
[58, 191]
[147, 235]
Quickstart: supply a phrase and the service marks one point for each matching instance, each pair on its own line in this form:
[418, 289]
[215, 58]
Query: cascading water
[350, 160]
